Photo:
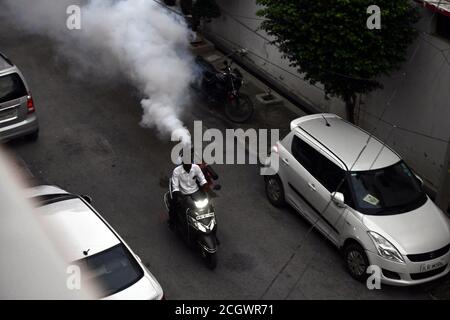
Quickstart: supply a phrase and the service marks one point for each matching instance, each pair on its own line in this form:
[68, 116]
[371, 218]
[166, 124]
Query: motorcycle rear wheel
[240, 109]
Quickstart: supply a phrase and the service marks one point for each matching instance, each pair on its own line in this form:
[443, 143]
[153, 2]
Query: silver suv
[363, 197]
[17, 111]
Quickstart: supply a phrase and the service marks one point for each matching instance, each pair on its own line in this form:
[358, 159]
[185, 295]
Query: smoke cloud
[138, 39]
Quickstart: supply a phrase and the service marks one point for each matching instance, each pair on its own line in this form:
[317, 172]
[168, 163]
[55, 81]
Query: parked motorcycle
[224, 86]
[196, 223]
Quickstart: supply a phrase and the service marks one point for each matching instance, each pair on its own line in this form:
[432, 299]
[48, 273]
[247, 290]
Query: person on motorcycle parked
[185, 181]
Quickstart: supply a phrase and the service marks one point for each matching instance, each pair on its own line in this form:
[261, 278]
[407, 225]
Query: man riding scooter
[191, 213]
[185, 181]
[210, 175]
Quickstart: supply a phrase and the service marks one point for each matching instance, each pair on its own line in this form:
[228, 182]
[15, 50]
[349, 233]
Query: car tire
[356, 261]
[275, 191]
[33, 136]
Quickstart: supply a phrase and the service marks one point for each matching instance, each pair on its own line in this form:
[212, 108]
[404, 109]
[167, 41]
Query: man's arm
[201, 178]
[175, 182]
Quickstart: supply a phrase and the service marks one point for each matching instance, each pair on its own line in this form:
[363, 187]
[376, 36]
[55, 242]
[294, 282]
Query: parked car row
[363, 197]
[349, 185]
[105, 260]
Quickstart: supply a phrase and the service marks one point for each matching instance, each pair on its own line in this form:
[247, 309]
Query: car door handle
[285, 161]
[312, 186]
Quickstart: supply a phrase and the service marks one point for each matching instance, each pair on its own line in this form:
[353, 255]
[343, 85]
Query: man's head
[189, 157]
[187, 167]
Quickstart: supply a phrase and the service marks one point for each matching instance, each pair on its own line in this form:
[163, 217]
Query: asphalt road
[91, 143]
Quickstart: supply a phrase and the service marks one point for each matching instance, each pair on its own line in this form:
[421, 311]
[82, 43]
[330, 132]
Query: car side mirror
[87, 198]
[338, 199]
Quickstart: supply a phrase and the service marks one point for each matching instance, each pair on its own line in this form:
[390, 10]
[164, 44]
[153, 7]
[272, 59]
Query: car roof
[345, 141]
[73, 226]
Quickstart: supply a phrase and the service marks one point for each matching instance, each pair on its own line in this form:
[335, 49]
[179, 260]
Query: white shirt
[185, 182]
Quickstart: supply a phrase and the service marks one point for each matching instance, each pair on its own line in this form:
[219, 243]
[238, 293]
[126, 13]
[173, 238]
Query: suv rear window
[11, 87]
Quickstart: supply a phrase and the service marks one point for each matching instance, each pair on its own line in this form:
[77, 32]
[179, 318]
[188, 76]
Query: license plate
[204, 216]
[431, 266]
[8, 115]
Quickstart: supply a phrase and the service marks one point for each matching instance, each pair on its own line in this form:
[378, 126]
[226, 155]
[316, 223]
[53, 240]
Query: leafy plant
[329, 41]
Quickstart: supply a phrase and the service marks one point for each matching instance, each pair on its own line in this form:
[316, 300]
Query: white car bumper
[410, 273]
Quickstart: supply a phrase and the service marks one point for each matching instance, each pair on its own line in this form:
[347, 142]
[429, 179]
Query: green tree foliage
[328, 41]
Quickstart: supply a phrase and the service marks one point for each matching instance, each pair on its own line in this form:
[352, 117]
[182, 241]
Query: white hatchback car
[363, 197]
[85, 239]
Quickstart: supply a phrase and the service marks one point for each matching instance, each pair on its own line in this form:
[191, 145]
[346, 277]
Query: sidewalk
[277, 115]
[272, 116]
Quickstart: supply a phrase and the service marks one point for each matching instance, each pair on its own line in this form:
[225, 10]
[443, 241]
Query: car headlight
[201, 204]
[385, 248]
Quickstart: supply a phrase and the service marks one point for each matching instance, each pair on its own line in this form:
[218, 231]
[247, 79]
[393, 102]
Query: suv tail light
[30, 105]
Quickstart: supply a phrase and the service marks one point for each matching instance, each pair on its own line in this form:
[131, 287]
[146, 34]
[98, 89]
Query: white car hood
[419, 231]
[145, 289]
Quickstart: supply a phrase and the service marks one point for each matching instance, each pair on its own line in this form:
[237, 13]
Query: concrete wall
[230, 32]
[417, 100]
[418, 96]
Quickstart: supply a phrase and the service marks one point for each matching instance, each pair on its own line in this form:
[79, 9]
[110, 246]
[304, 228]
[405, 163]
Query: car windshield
[390, 190]
[11, 87]
[111, 270]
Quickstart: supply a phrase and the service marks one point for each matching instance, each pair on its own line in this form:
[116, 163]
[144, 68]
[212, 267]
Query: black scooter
[224, 86]
[197, 225]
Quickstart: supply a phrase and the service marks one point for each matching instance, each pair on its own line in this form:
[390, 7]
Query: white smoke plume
[138, 39]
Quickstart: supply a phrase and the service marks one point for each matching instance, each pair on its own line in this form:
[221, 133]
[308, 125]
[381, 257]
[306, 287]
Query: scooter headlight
[386, 249]
[201, 204]
[200, 226]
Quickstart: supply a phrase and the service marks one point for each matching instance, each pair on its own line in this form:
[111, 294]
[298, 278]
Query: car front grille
[391, 274]
[428, 274]
[429, 255]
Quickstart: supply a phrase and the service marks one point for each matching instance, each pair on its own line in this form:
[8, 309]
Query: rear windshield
[112, 270]
[11, 87]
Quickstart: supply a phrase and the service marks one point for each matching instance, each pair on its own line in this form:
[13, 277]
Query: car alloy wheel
[274, 191]
[357, 262]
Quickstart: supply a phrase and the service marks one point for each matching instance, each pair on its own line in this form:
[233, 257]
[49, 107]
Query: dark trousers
[178, 203]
